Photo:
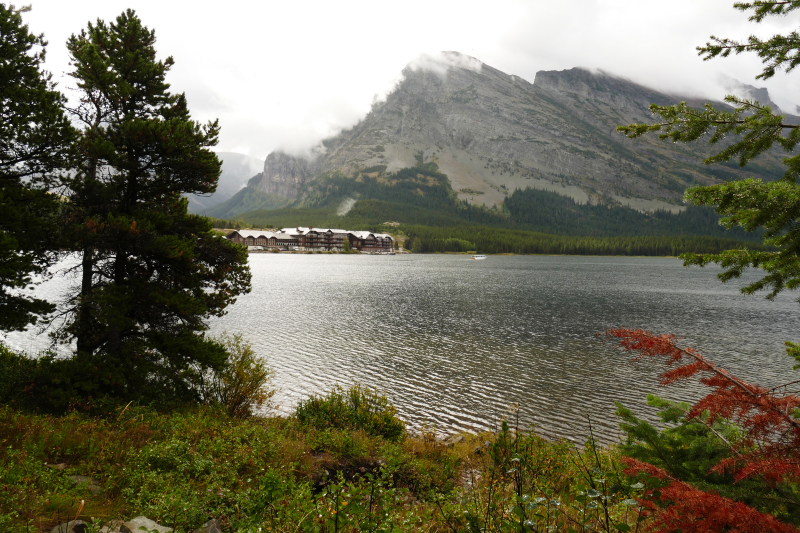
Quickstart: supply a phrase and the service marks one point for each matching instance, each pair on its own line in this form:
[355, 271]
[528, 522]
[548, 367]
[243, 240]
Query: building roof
[247, 233]
[303, 230]
[294, 233]
[366, 234]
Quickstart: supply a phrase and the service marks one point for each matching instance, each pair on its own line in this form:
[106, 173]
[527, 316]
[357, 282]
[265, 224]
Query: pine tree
[151, 274]
[749, 203]
[769, 447]
[35, 140]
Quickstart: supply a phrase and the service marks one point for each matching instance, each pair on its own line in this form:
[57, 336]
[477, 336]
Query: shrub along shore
[335, 466]
[343, 461]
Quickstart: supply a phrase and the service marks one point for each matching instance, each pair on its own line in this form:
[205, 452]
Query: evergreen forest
[428, 212]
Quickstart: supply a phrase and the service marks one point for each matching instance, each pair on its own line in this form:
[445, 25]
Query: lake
[455, 342]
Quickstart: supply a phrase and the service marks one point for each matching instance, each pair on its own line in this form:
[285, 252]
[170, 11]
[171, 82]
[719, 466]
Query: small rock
[453, 440]
[133, 526]
[212, 526]
[59, 466]
[78, 526]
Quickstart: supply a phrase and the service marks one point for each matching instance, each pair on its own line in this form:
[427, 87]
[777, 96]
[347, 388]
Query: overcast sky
[284, 74]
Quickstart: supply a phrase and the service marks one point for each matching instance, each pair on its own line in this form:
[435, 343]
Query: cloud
[288, 74]
[345, 207]
[443, 61]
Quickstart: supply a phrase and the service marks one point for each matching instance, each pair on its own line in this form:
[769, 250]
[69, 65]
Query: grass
[281, 474]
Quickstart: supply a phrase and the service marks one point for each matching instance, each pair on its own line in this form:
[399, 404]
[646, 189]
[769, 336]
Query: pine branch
[767, 419]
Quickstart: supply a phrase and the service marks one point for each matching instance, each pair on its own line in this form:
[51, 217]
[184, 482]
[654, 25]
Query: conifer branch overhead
[768, 419]
[770, 445]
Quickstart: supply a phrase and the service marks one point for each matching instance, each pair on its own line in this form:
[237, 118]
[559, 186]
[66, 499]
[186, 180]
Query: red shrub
[769, 447]
[684, 508]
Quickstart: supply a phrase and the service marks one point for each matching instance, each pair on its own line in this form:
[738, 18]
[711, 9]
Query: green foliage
[15, 373]
[496, 240]
[359, 505]
[549, 212]
[357, 407]
[278, 474]
[151, 274]
[48, 384]
[241, 386]
[35, 143]
[689, 449]
[521, 483]
[778, 52]
[748, 203]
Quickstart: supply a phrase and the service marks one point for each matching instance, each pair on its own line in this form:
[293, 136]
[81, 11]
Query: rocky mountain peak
[283, 175]
[749, 92]
[491, 133]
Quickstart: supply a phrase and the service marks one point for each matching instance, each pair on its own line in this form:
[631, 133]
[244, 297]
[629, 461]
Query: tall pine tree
[35, 140]
[151, 274]
[755, 127]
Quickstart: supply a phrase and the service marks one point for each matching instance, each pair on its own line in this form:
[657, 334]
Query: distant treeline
[496, 240]
[220, 223]
[421, 200]
[550, 212]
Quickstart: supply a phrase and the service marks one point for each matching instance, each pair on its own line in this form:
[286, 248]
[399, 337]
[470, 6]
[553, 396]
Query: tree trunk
[84, 319]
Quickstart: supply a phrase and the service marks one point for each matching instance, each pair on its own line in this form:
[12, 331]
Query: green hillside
[421, 205]
[246, 200]
[422, 195]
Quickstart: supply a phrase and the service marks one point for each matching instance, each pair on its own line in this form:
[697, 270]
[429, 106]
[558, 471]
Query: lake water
[454, 342]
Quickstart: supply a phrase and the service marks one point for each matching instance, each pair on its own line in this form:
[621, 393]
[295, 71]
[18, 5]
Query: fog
[287, 74]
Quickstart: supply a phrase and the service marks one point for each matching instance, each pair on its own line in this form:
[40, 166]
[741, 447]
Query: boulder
[135, 525]
[73, 526]
[452, 440]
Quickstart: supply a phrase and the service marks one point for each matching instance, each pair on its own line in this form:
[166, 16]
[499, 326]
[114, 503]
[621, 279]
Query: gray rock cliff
[492, 132]
[284, 174]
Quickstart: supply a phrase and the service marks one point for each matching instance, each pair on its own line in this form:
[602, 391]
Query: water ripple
[455, 342]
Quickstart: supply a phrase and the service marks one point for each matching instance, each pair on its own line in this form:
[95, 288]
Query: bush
[242, 385]
[14, 372]
[357, 407]
[50, 385]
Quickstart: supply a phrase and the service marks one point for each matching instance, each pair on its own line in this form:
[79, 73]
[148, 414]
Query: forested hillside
[419, 203]
[421, 195]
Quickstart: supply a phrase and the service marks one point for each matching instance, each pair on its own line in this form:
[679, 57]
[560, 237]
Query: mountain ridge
[492, 133]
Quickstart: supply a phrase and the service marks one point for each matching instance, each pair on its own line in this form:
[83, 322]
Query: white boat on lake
[478, 257]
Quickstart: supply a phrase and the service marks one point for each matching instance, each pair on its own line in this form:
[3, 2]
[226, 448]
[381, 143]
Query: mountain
[749, 92]
[237, 169]
[492, 133]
